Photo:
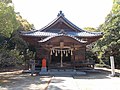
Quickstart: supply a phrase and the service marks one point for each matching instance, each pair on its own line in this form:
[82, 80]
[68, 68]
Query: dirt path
[100, 80]
[12, 72]
[23, 82]
[18, 81]
[62, 83]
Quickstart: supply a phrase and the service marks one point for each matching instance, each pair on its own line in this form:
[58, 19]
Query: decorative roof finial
[60, 14]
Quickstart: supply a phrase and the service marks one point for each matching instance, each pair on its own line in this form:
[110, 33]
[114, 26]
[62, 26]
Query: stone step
[62, 70]
[70, 72]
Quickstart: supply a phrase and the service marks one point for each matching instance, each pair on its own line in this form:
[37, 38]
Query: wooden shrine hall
[61, 43]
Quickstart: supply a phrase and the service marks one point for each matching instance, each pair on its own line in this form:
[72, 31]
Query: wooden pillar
[85, 53]
[74, 58]
[49, 60]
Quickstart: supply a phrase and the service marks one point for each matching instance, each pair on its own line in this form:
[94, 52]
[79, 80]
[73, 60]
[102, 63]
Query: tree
[91, 29]
[110, 42]
[24, 24]
[6, 1]
[8, 22]
[90, 55]
[13, 49]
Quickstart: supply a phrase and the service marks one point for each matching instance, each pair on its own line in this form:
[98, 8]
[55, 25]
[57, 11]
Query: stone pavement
[91, 81]
[62, 83]
[109, 83]
[84, 83]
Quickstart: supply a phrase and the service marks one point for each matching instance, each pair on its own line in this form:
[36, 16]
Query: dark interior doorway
[57, 59]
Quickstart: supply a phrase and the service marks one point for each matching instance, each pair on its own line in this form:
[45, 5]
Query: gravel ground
[97, 81]
[98, 84]
[23, 82]
[91, 81]
[100, 80]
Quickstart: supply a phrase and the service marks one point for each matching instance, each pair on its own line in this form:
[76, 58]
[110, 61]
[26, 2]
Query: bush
[9, 58]
[91, 56]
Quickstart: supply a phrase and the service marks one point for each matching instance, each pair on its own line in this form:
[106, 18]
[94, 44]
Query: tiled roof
[48, 38]
[85, 34]
[80, 34]
[39, 34]
[55, 32]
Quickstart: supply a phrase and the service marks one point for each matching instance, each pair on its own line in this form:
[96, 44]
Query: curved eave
[39, 34]
[86, 34]
[98, 36]
[70, 36]
[80, 34]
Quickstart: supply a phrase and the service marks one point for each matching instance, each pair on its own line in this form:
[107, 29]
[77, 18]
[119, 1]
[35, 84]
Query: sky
[83, 13]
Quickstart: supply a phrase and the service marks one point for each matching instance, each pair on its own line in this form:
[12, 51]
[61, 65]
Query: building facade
[61, 43]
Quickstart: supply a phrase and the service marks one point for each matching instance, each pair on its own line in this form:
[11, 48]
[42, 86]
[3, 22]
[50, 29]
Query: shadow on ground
[98, 74]
[22, 82]
[90, 74]
[28, 82]
[54, 88]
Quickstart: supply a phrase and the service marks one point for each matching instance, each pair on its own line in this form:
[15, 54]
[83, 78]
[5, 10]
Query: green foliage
[6, 1]
[90, 54]
[9, 58]
[24, 24]
[13, 49]
[91, 29]
[8, 22]
[110, 42]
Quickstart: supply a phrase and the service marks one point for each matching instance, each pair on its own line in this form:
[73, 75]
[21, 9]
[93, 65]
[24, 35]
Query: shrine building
[61, 43]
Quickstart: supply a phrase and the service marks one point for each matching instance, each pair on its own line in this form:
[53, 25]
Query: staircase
[64, 72]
